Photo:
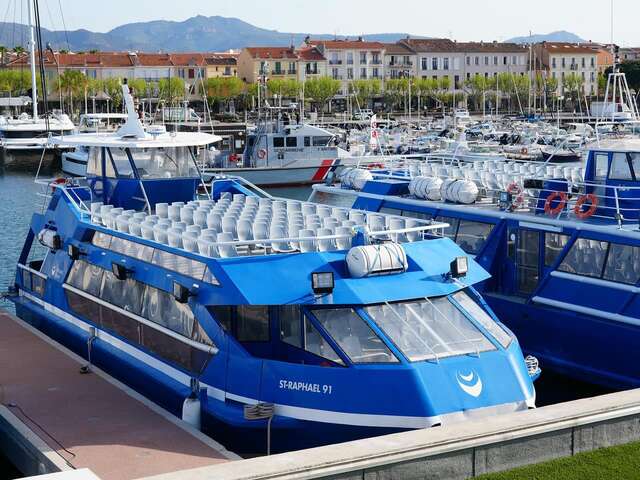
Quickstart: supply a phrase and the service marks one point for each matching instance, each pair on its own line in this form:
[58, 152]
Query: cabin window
[472, 235]
[586, 257]
[131, 249]
[623, 264]
[528, 252]
[278, 142]
[620, 168]
[222, 315]
[316, 344]
[429, 329]
[554, 243]
[290, 325]
[450, 231]
[478, 313]
[94, 162]
[321, 141]
[86, 277]
[121, 161]
[307, 141]
[126, 294]
[354, 336]
[252, 323]
[602, 166]
[292, 142]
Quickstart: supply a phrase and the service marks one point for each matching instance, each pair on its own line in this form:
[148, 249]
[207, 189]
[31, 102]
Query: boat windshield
[167, 162]
[432, 328]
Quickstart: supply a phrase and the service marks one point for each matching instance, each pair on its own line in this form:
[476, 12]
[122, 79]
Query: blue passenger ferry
[234, 309]
[561, 243]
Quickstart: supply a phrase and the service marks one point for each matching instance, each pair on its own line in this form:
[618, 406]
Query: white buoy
[191, 411]
[373, 260]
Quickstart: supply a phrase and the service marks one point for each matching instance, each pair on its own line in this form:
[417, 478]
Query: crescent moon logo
[471, 384]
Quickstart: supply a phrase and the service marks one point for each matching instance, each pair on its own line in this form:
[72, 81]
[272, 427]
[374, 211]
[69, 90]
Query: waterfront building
[281, 63]
[223, 65]
[630, 54]
[349, 60]
[559, 60]
[399, 61]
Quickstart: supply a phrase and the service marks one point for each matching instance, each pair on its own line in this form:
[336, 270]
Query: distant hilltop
[196, 34]
[559, 36]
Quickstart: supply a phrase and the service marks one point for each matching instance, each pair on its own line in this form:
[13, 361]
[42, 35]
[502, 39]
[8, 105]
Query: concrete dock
[52, 418]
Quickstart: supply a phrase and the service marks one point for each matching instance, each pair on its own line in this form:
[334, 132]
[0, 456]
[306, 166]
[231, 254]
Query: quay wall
[458, 451]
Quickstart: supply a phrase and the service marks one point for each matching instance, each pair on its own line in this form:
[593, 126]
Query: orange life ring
[561, 197]
[262, 153]
[371, 166]
[58, 181]
[233, 158]
[593, 206]
[517, 192]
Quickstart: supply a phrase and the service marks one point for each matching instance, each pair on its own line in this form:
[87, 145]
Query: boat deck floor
[91, 420]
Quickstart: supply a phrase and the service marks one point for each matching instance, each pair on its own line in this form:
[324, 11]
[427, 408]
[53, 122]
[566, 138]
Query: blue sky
[460, 19]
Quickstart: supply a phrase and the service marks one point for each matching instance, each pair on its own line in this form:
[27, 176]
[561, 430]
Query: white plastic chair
[162, 210]
[190, 242]
[327, 244]
[146, 231]
[226, 251]
[278, 231]
[307, 245]
[344, 243]
[245, 230]
[229, 225]
[174, 236]
[214, 221]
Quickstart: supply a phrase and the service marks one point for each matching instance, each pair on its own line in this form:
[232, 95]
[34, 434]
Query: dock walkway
[74, 421]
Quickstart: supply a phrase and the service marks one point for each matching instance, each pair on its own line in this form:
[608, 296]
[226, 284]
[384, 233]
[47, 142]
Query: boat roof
[163, 140]
[104, 115]
[617, 145]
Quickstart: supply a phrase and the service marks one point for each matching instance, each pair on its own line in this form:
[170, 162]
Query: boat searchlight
[459, 267]
[322, 282]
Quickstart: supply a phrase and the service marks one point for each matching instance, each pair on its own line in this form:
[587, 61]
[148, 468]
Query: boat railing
[560, 192]
[80, 196]
[242, 181]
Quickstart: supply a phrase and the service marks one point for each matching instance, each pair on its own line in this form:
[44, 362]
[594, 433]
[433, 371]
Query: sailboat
[24, 140]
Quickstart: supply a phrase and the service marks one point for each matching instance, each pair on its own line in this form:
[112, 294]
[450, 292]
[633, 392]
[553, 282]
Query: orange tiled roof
[348, 44]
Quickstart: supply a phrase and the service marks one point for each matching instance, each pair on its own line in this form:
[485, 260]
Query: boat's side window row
[135, 302]
[175, 263]
[604, 260]
[468, 234]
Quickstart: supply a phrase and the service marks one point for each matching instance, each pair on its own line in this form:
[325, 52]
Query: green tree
[365, 90]
[138, 86]
[321, 90]
[171, 89]
[221, 90]
[284, 88]
[631, 71]
[71, 84]
[573, 88]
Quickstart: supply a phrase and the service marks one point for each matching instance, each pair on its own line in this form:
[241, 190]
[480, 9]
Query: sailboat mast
[32, 54]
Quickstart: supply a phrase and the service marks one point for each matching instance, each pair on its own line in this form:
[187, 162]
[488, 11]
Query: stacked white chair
[344, 243]
[325, 245]
[226, 251]
[307, 245]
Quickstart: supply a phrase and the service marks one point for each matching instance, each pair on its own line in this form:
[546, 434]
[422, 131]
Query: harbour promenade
[53, 418]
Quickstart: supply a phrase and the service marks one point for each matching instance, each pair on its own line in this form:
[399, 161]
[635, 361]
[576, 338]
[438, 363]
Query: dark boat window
[290, 325]
[623, 264]
[252, 323]
[222, 315]
[292, 142]
[472, 235]
[278, 142]
[321, 141]
[307, 141]
[316, 344]
[554, 243]
[354, 336]
[528, 253]
[586, 257]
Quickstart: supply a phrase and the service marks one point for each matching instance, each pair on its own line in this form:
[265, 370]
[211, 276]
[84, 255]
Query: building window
[564, 62]
[495, 60]
[363, 58]
[350, 73]
[334, 73]
[349, 58]
[468, 61]
[434, 63]
[593, 62]
[375, 73]
[514, 60]
[445, 63]
[486, 61]
[424, 63]
[477, 61]
[505, 60]
[456, 82]
[363, 72]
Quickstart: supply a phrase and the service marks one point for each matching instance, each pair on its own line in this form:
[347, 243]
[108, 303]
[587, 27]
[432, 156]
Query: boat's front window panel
[634, 159]
[554, 243]
[354, 336]
[290, 325]
[316, 344]
[620, 168]
[586, 257]
[321, 141]
[623, 264]
[472, 235]
[479, 314]
[131, 249]
[121, 162]
[168, 162]
[602, 166]
[94, 162]
[252, 323]
[429, 329]
[451, 230]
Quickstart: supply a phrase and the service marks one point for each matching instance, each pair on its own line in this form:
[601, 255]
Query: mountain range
[196, 34]
[559, 36]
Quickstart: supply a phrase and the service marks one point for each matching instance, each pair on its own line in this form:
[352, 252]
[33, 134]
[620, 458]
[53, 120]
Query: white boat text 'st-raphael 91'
[346, 324]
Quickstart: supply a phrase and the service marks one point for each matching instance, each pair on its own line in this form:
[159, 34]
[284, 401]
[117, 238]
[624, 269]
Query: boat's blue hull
[286, 434]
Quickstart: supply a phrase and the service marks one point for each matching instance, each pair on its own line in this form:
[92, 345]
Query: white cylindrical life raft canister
[372, 260]
[459, 191]
[426, 188]
[355, 178]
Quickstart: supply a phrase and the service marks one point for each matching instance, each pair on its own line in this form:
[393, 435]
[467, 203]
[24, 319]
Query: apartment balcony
[376, 62]
[335, 62]
[573, 67]
[292, 72]
[400, 64]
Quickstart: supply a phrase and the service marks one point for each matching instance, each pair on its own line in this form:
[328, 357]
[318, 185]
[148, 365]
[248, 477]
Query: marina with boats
[337, 284]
